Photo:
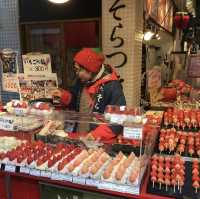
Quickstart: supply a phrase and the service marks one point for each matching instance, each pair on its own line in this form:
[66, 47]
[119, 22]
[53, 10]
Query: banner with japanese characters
[122, 35]
[37, 64]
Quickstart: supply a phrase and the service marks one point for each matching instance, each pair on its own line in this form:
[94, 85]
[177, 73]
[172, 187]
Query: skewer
[174, 188]
[196, 190]
[160, 185]
[178, 185]
[153, 184]
[166, 187]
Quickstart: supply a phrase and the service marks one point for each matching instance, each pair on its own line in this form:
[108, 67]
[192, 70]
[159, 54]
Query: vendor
[98, 86]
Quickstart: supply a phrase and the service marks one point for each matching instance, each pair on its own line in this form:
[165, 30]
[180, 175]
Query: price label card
[46, 174]
[114, 118]
[19, 111]
[6, 123]
[106, 185]
[67, 178]
[132, 133]
[10, 82]
[132, 189]
[10, 168]
[24, 170]
[79, 180]
[92, 182]
[35, 172]
[56, 176]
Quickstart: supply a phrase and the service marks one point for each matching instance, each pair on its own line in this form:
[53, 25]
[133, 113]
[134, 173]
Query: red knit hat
[89, 59]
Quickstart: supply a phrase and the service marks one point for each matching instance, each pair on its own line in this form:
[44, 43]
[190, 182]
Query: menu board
[194, 66]
[35, 86]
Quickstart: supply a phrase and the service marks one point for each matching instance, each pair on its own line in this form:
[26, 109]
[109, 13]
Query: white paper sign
[35, 172]
[114, 118]
[37, 86]
[24, 170]
[78, 180]
[37, 64]
[6, 123]
[46, 174]
[132, 133]
[10, 82]
[10, 168]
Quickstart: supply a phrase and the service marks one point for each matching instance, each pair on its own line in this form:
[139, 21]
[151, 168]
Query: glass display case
[118, 165]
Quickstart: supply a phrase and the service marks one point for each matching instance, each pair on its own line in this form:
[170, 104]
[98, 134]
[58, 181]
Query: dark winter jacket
[105, 91]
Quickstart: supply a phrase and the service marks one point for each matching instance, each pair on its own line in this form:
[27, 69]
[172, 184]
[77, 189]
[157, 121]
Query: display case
[73, 157]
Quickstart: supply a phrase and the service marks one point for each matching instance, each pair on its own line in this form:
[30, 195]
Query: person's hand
[90, 137]
[56, 93]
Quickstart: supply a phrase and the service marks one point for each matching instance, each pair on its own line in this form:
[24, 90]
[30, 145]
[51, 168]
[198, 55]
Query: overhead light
[58, 1]
[148, 35]
[157, 36]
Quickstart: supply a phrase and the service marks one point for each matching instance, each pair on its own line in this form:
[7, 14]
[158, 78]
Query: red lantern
[181, 20]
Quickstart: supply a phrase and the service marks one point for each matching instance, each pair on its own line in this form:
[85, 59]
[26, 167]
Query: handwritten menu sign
[37, 63]
[33, 87]
[154, 78]
[10, 82]
[194, 66]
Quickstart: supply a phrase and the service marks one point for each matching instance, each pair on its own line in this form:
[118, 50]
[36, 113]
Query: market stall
[114, 168]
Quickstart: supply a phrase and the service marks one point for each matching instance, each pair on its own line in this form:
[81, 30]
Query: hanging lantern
[181, 20]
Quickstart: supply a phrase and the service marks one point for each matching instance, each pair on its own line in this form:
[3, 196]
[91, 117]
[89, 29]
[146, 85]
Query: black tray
[186, 129]
[126, 149]
[187, 191]
[53, 139]
[185, 153]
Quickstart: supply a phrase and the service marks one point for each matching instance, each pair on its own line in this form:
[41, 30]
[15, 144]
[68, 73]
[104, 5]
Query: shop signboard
[10, 82]
[37, 63]
[33, 87]
[194, 66]
[122, 35]
[114, 24]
